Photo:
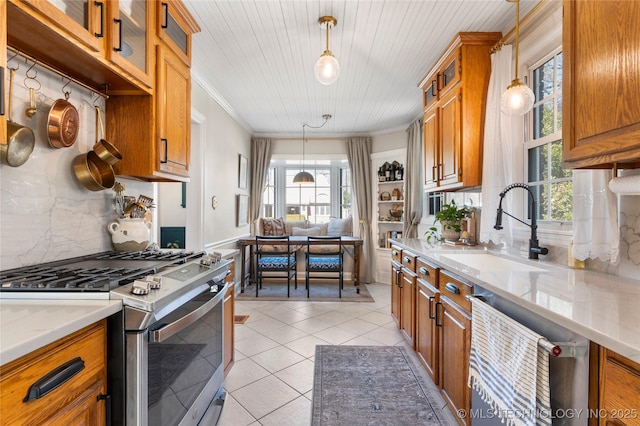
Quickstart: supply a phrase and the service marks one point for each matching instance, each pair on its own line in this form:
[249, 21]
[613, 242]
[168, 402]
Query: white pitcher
[130, 234]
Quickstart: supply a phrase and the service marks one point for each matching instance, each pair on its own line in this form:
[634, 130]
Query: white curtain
[359, 156]
[413, 181]
[260, 160]
[596, 234]
[500, 139]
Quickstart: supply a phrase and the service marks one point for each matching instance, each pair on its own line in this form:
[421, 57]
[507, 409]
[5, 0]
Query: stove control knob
[140, 287]
[155, 282]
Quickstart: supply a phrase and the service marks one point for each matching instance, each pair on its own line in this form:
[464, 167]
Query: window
[549, 182]
[329, 195]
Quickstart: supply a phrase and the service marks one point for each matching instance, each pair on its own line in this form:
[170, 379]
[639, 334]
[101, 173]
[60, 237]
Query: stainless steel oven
[173, 344]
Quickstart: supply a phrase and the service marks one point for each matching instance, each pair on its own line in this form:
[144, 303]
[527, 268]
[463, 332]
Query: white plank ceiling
[257, 58]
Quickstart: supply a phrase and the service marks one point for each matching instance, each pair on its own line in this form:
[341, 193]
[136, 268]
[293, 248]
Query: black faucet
[534, 247]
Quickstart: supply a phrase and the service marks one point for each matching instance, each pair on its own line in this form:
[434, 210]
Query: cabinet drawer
[396, 254]
[455, 289]
[427, 271]
[87, 344]
[409, 260]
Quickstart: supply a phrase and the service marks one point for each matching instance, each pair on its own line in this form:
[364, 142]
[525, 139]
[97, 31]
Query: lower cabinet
[408, 306]
[619, 392]
[229, 314]
[28, 393]
[455, 344]
[427, 333]
[396, 282]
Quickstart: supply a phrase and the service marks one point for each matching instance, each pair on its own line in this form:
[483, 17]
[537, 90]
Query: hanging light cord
[517, 33]
[326, 118]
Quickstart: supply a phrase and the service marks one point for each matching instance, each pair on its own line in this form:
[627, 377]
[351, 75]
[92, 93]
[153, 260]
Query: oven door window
[186, 353]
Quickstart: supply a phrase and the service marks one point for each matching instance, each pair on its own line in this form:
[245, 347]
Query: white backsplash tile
[45, 213]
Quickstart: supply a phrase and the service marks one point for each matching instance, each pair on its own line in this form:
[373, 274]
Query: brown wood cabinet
[78, 400]
[455, 92]
[600, 84]
[153, 133]
[619, 392]
[408, 306]
[396, 282]
[427, 333]
[96, 42]
[229, 313]
[454, 319]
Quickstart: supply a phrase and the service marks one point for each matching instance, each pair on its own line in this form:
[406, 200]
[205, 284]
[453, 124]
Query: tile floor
[272, 379]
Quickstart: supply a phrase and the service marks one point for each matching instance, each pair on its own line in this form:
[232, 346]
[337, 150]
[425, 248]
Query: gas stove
[88, 277]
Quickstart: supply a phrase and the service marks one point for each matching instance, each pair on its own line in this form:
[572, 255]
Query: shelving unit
[382, 224]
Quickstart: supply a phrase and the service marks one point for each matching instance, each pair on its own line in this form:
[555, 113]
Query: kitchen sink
[490, 262]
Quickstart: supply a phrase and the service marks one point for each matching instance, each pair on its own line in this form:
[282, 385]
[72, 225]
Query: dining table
[247, 244]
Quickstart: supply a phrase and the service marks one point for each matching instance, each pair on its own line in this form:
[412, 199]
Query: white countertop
[601, 307]
[27, 324]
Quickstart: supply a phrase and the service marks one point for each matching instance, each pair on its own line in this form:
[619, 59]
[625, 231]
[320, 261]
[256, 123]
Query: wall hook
[66, 93]
[31, 69]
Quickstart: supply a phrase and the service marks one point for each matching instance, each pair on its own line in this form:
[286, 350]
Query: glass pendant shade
[303, 177]
[517, 100]
[327, 68]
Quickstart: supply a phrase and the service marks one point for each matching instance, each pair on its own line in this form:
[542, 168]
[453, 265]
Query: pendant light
[306, 177]
[518, 99]
[327, 68]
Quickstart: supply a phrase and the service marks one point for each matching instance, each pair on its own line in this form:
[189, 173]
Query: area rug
[320, 292]
[370, 385]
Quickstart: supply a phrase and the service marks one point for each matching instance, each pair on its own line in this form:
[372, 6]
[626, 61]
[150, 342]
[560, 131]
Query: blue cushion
[324, 263]
[275, 262]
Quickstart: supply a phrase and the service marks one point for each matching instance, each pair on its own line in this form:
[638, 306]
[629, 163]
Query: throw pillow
[272, 226]
[314, 231]
[340, 227]
[288, 225]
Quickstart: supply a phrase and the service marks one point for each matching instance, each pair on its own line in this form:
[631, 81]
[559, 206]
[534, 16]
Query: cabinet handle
[433, 173]
[431, 299]
[101, 6]
[54, 378]
[452, 288]
[107, 399]
[394, 252]
[119, 23]
[433, 87]
[438, 316]
[1, 90]
[166, 15]
[438, 82]
[440, 171]
[166, 150]
[424, 271]
[407, 259]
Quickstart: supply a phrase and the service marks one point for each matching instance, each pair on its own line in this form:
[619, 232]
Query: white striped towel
[508, 368]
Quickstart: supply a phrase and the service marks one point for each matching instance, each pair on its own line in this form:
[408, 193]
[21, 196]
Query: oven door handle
[162, 334]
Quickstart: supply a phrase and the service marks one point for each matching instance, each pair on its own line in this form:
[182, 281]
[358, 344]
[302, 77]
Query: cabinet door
[450, 131]
[81, 20]
[430, 152]
[431, 93]
[408, 306]
[454, 357]
[85, 410]
[601, 82]
[450, 74]
[173, 96]
[173, 28]
[619, 389]
[130, 48]
[396, 282]
[427, 334]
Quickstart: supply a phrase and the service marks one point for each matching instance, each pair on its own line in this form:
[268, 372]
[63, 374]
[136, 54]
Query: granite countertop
[29, 324]
[601, 307]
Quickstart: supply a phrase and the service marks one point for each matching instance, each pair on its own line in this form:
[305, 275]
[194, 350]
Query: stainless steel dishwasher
[569, 372]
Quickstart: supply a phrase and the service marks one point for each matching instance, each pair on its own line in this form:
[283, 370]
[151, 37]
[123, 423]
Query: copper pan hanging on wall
[20, 139]
[63, 122]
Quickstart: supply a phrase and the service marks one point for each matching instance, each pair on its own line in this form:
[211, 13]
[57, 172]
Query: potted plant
[450, 217]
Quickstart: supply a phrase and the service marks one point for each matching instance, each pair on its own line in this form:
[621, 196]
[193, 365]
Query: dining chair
[275, 255]
[324, 260]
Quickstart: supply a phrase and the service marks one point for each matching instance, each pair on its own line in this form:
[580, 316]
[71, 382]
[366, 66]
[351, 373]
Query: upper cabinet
[601, 83]
[153, 133]
[454, 98]
[106, 44]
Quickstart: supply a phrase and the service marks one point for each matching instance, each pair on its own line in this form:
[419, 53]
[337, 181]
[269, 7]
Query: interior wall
[225, 141]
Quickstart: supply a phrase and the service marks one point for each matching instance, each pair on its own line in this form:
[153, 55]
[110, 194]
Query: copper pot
[63, 123]
[20, 139]
[92, 172]
[103, 148]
